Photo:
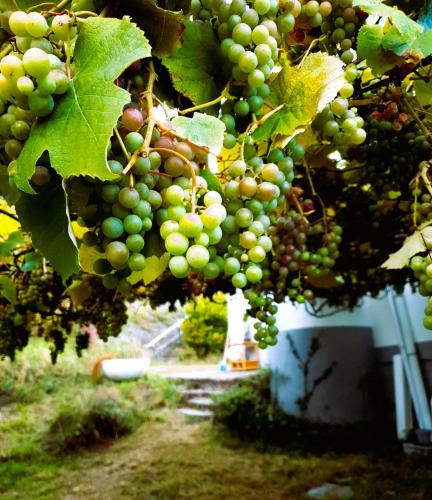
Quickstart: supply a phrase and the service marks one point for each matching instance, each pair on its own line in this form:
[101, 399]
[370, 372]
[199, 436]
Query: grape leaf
[195, 65]
[79, 291]
[422, 46]
[369, 47]
[412, 245]
[393, 41]
[88, 256]
[45, 216]
[77, 133]
[163, 27]
[423, 89]
[155, 266]
[212, 180]
[407, 28]
[202, 130]
[7, 289]
[304, 91]
[32, 261]
[14, 239]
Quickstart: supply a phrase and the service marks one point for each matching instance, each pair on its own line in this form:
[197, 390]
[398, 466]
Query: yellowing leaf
[87, 257]
[304, 91]
[155, 266]
[413, 245]
[7, 224]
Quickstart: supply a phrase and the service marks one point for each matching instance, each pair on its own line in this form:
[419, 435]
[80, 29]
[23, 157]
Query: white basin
[124, 369]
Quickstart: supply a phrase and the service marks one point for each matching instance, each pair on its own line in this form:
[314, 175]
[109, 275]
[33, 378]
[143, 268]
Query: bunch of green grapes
[422, 269]
[31, 74]
[250, 35]
[341, 26]
[263, 307]
[340, 124]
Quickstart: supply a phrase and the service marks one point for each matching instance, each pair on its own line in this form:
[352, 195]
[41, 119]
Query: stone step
[200, 392]
[201, 402]
[195, 413]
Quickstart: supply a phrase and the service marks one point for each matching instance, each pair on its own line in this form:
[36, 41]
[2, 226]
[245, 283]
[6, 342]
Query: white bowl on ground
[125, 369]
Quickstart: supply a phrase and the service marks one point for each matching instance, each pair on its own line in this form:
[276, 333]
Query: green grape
[61, 26]
[13, 148]
[197, 256]
[25, 85]
[36, 62]
[132, 224]
[248, 61]
[256, 78]
[250, 17]
[211, 271]
[133, 141]
[254, 273]
[191, 225]
[242, 34]
[46, 85]
[129, 197]
[241, 108]
[117, 253]
[110, 281]
[112, 227]
[137, 262]
[235, 51]
[12, 67]
[239, 280]
[179, 266]
[212, 198]
[36, 25]
[18, 23]
[43, 44]
[143, 209]
[257, 254]
[262, 6]
[176, 212]
[231, 266]
[20, 130]
[174, 195]
[176, 243]
[135, 242]
[23, 43]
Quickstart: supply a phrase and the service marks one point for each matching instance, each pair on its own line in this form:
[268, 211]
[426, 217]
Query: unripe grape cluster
[338, 123]
[422, 268]
[31, 75]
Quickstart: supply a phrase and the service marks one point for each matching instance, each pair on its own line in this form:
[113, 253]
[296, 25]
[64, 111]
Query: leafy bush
[205, 326]
[94, 419]
[249, 411]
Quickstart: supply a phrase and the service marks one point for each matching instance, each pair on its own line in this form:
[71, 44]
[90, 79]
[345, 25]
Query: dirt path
[174, 459]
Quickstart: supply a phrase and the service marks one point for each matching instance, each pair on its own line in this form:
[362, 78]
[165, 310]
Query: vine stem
[6, 51]
[415, 202]
[253, 126]
[148, 94]
[208, 104]
[8, 214]
[191, 169]
[317, 196]
[426, 180]
[416, 117]
[122, 145]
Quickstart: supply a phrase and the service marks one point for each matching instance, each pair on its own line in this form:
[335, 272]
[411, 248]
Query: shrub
[205, 326]
[249, 411]
[93, 419]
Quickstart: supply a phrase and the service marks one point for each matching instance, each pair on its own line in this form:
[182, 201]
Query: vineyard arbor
[162, 150]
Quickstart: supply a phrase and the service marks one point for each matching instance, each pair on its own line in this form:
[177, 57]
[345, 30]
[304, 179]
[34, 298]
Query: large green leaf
[7, 289]
[303, 90]
[14, 240]
[407, 28]
[422, 46]
[77, 133]
[369, 47]
[45, 216]
[202, 130]
[195, 65]
[163, 27]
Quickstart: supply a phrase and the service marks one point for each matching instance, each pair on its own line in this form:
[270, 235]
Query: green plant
[205, 326]
[249, 412]
[102, 416]
[276, 174]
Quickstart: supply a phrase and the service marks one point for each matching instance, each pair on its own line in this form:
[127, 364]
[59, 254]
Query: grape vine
[282, 147]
